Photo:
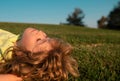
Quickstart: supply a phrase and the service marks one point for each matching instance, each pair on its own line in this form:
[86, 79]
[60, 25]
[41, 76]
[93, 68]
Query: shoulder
[7, 39]
[6, 36]
[5, 32]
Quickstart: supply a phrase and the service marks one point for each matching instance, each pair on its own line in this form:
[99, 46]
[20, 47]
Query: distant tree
[76, 17]
[102, 22]
[114, 18]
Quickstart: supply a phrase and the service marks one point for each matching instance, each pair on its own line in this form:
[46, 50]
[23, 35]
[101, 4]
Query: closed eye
[38, 40]
[41, 41]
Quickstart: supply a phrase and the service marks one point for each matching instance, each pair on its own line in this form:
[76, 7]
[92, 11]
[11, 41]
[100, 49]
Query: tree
[114, 18]
[102, 22]
[76, 17]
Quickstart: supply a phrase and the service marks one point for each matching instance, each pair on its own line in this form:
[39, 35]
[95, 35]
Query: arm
[9, 77]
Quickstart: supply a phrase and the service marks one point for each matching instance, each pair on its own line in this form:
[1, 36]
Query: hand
[9, 77]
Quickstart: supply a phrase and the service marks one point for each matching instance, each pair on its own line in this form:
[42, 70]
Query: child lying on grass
[36, 57]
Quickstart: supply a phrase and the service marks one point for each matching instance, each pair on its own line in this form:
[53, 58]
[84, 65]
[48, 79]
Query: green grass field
[97, 50]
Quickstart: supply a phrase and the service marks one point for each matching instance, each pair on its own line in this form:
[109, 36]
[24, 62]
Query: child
[36, 57]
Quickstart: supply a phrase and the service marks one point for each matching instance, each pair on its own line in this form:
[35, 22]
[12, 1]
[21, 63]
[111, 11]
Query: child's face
[34, 40]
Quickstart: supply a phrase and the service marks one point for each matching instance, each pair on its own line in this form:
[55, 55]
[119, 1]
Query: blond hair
[54, 65]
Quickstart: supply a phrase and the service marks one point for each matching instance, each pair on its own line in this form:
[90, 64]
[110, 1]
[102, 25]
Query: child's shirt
[7, 39]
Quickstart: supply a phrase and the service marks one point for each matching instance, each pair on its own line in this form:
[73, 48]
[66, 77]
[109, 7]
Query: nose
[42, 35]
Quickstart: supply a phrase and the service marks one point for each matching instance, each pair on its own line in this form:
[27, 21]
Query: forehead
[30, 30]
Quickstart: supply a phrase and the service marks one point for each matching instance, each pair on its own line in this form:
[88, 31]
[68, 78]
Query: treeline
[112, 21]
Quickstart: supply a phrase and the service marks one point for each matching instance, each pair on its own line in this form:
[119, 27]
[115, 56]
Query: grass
[97, 50]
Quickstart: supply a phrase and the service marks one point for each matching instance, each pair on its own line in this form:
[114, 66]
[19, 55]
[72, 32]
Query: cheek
[27, 44]
[42, 48]
[45, 47]
[28, 39]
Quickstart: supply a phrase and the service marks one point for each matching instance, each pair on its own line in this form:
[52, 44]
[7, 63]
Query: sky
[54, 11]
